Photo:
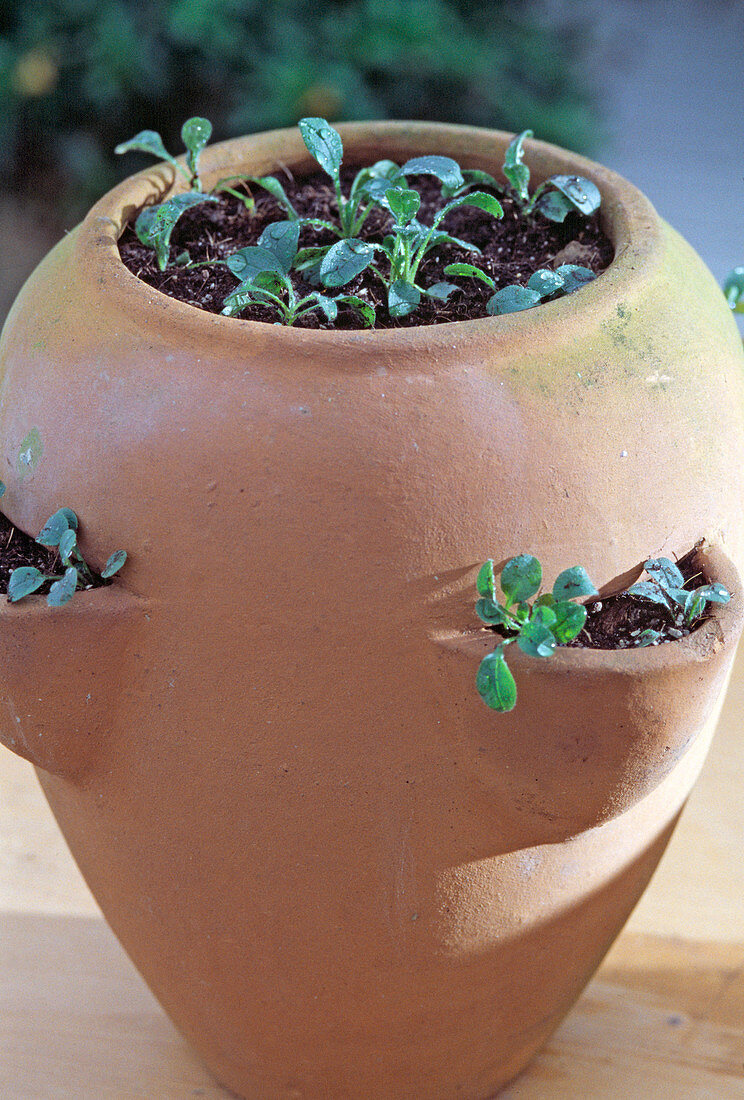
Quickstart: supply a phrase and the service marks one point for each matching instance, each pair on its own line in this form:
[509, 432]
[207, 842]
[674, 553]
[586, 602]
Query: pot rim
[722, 627]
[629, 219]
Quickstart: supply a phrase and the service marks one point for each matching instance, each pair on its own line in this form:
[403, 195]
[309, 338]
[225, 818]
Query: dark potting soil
[18, 549]
[512, 247]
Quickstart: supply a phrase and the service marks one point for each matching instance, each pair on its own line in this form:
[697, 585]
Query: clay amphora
[340, 873]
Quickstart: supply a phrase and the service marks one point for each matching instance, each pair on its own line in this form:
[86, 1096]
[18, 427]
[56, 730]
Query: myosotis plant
[537, 628]
[544, 285]
[60, 533]
[557, 197]
[666, 586]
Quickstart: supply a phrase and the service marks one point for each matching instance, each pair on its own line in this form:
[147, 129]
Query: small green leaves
[574, 277]
[403, 204]
[403, 298]
[361, 308]
[520, 578]
[63, 590]
[63, 520]
[195, 133]
[114, 564]
[515, 170]
[573, 583]
[324, 143]
[67, 544]
[146, 141]
[481, 199]
[512, 299]
[155, 224]
[648, 591]
[444, 168]
[344, 261]
[492, 614]
[664, 572]
[535, 638]
[485, 582]
[248, 262]
[569, 621]
[281, 238]
[495, 683]
[469, 271]
[583, 195]
[23, 582]
[733, 288]
[545, 282]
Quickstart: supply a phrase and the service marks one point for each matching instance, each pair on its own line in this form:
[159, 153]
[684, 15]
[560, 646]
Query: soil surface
[17, 549]
[512, 247]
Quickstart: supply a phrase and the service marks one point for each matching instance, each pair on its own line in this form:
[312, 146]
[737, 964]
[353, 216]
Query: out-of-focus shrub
[77, 76]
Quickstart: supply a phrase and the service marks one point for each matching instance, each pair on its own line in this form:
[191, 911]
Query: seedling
[553, 619]
[195, 134]
[667, 588]
[60, 533]
[557, 197]
[543, 286]
[405, 247]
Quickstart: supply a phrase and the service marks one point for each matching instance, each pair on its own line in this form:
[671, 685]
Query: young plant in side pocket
[551, 620]
[60, 533]
[666, 587]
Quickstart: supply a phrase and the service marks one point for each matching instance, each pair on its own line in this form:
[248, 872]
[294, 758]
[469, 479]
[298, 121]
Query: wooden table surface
[662, 1020]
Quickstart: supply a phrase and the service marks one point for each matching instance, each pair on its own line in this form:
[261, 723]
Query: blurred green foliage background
[77, 76]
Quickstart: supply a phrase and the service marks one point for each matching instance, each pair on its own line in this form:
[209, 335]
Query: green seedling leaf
[543, 613]
[195, 133]
[521, 577]
[114, 564]
[512, 299]
[649, 591]
[485, 582]
[546, 600]
[62, 591]
[473, 177]
[440, 291]
[308, 261]
[515, 170]
[155, 224]
[574, 277]
[481, 199]
[67, 544]
[495, 682]
[402, 204]
[364, 309]
[281, 238]
[146, 141]
[468, 271]
[648, 637]
[326, 305]
[580, 192]
[536, 638]
[569, 620]
[554, 206]
[251, 261]
[403, 298]
[733, 288]
[714, 593]
[344, 261]
[63, 520]
[573, 583]
[664, 572]
[324, 143]
[491, 613]
[444, 168]
[545, 282]
[23, 582]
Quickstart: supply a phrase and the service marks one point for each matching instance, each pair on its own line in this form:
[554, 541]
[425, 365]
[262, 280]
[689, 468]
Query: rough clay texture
[340, 873]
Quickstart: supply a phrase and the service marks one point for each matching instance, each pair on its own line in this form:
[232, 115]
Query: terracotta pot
[339, 872]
